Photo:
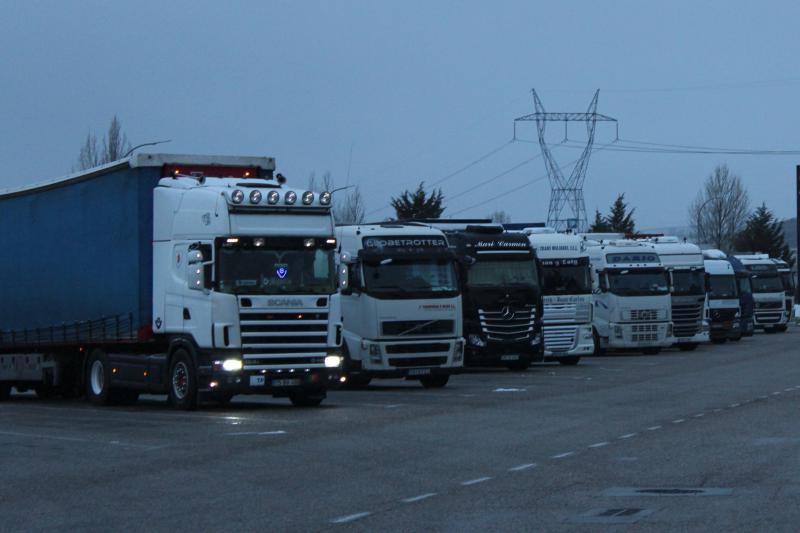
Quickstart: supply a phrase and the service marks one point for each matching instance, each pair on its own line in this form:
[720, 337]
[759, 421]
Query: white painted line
[349, 518]
[78, 439]
[789, 389]
[734, 405]
[627, 436]
[763, 397]
[510, 390]
[678, 420]
[522, 467]
[717, 410]
[562, 455]
[776, 393]
[419, 498]
[257, 433]
[653, 428]
[598, 445]
[699, 415]
[475, 481]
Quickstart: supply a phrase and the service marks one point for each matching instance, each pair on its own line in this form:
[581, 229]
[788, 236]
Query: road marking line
[257, 433]
[349, 518]
[699, 415]
[776, 393]
[598, 445]
[562, 455]
[79, 439]
[627, 436]
[522, 467]
[734, 405]
[789, 389]
[717, 410]
[510, 390]
[653, 428]
[678, 420]
[475, 481]
[763, 397]
[419, 498]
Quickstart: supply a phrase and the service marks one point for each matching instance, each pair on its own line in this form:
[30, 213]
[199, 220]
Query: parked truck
[723, 308]
[685, 267]
[187, 275]
[401, 307]
[768, 292]
[567, 294]
[744, 286]
[632, 306]
[501, 293]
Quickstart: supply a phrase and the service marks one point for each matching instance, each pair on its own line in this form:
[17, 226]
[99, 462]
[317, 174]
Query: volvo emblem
[507, 313]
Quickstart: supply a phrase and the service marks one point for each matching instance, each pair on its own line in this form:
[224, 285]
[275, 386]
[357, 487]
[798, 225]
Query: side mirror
[195, 270]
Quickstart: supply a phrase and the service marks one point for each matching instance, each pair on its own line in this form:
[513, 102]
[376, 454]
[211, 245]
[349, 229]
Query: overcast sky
[417, 89]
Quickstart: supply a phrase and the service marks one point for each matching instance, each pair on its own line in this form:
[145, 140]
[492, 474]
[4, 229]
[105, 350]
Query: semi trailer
[567, 294]
[401, 307]
[188, 275]
[632, 306]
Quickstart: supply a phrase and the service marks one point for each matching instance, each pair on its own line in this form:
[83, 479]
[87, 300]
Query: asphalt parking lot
[704, 440]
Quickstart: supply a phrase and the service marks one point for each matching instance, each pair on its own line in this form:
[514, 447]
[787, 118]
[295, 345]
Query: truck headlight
[232, 365]
[536, 340]
[476, 340]
[333, 361]
[375, 353]
[617, 331]
[458, 350]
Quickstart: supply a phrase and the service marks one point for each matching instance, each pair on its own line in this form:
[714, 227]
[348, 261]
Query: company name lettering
[415, 242]
[284, 302]
[501, 244]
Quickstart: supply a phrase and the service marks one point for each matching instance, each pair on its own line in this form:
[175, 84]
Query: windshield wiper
[415, 328]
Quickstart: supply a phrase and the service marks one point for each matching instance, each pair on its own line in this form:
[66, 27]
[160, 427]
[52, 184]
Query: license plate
[257, 381]
[285, 382]
[419, 371]
[510, 358]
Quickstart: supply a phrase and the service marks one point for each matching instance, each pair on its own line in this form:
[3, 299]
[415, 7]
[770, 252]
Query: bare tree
[348, 204]
[115, 146]
[720, 210]
[500, 217]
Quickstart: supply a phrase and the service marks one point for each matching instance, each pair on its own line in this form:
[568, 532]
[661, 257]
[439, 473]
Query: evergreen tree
[419, 204]
[619, 219]
[600, 224]
[764, 233]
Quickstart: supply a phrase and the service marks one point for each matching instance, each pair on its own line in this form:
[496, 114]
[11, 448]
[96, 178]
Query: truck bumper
[503, 353]
[273, 382]
[567, 340]
[725, 330]
[407, 358]
[636, 336]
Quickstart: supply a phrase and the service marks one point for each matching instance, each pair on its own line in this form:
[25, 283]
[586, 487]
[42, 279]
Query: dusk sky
[417, 90]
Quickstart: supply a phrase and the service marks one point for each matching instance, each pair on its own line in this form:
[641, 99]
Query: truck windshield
[687, 282]
[257, 270]
[766, 283]
[721, 287]
[410, 278]
[566, 280]
[630, 282]
[744, 285]
[503, 272]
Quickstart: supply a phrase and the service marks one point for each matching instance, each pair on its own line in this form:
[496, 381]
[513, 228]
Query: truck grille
[560, 338]
[769, 305]
[507, 324]
[644, 332]
[281, 340]
[644, 315]
[559, 313]
[417, 327]
[418, 347]
[686, 318]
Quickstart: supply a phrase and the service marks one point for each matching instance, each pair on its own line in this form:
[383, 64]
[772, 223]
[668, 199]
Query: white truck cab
[632, 306]
[567, 294]
[768, 292]
[401, 308]
[723, 306]
[684, 264]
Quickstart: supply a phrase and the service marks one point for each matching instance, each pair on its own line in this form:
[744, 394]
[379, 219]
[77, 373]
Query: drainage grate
[667, 491]
[622, 515]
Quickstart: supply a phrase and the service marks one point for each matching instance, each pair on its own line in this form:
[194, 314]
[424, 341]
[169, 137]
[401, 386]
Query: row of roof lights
[273, 197]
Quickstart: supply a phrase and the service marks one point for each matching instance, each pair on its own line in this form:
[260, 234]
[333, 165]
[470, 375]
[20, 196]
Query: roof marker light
[290, 198]
[255, 197]
[237, 196]
[232, 240]
[325, 198]
[308, 197]
[273, 197]
[258, 242]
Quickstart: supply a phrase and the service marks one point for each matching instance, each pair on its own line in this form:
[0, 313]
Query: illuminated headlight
[458, 351]
[255, 197]
[290, 198]
[476, 340]
[308, 197]
[617, 331]
[237, 196]
[325, 198]
[536, 340]
[308, 243]
[232, 365]
[273, 197]
[333, 361]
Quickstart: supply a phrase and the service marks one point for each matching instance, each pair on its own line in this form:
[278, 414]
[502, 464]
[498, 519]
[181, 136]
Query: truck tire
[651, 351]
[434, 382]
[306, 399]
[182, 381]
[98, 378]
[570, 360]
[782, 328]
[5, 391]
[598, 348]
[688, 347]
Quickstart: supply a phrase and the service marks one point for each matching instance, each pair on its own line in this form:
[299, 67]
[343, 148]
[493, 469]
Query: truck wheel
[305, 399]
[651, 351]
[571, 360]
[598, 348]
[434, 382]
[182, 381]
[98, 378]
[687, 347]
[5, 391]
